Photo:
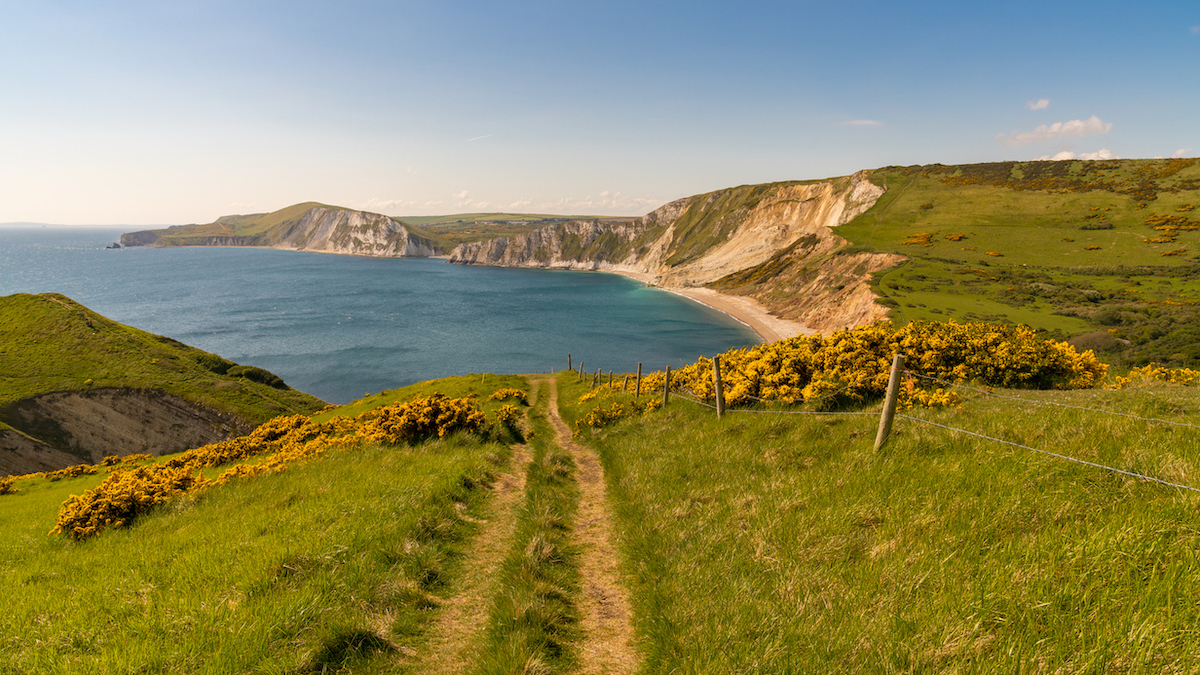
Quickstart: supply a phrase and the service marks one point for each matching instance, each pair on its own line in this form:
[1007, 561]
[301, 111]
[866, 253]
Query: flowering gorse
[127, 492]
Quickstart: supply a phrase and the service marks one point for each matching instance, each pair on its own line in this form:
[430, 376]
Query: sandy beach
[747, 311]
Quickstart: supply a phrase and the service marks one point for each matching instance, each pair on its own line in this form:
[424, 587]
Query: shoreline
[746, 311]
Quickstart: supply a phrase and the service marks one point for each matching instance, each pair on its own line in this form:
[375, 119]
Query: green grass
[1041, 217]
[47, 345]
[534, 618]
[479, 385]
[338, 563]
[783, 544]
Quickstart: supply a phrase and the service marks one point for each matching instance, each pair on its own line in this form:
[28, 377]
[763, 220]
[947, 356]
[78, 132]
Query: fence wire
[1052, 403]
[1132, 474]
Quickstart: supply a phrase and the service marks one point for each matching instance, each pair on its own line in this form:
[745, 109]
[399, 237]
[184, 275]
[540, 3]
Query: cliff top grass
[50, 343]
[1107, 252]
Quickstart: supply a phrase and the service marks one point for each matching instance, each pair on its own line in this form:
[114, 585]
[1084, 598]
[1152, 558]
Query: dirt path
[457, 630]
[607, 620]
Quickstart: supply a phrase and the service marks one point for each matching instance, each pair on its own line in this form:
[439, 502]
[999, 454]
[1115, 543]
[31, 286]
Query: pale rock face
[839, 297]
[352, 232]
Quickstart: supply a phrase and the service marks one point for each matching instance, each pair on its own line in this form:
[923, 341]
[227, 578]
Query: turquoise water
[339, 326]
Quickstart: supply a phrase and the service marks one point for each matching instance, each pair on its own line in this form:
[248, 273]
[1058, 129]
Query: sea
[339, 327]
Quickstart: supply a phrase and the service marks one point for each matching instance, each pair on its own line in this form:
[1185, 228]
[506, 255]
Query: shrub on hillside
[214, 363]
[121, 497]
[421, 418]
[127, 493]
[6, 485]
[257, 375]
[854, 365]
[509, 392]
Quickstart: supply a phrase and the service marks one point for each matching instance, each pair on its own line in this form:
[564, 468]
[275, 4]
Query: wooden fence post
[889, 403]
[717, 386]
[638, 387]
[610, 379]
[595, 378]
[625, 384]
[667, 386]
[569, 361]
[580, 372]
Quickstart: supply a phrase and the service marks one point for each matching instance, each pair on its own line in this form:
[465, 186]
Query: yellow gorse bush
[509, 392]
[6, 485]
[853, 365]
[1156, 373]
[127, 492]
[611, 407]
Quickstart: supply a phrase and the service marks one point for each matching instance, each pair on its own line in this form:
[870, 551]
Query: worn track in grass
[455, 633]
[608, 645]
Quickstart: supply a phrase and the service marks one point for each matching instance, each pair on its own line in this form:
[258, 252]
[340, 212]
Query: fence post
[569, 361]
[717, 386]
[595, 378]
[610, 379]
[889, 403]
[638, 387]
[625, 384]
[580, 372]
[667, 386]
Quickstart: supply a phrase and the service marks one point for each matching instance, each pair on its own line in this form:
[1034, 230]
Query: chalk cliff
[304, 227]
[775, 243]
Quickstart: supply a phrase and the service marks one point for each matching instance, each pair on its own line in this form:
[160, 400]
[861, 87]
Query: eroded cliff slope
[775, 243]
[303, 227]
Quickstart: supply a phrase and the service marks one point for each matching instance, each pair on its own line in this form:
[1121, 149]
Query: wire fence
[693, 397]
[991, 394]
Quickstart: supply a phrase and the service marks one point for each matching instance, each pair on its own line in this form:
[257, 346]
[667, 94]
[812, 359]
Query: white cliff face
[797, 218]
[353, 232]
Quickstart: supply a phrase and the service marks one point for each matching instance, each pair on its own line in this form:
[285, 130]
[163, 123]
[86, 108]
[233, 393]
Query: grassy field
[764, 543]
[52, 343]
[1069, 247]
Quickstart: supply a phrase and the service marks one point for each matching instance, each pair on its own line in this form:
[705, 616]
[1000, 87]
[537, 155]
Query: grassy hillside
[780, 543]
[51, 343]
[1107, 250]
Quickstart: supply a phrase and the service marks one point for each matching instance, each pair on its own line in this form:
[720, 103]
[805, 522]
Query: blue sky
[164, 113]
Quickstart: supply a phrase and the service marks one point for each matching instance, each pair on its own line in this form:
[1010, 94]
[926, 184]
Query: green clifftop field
[1105, 252]
[72, 380]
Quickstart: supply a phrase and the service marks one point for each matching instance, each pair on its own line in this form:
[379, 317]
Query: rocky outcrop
[775, 243]
[59, 429]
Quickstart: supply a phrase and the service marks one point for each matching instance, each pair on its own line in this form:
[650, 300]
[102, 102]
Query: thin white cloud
[460, 195]
[1092, 126]
[863, 123]
[1040, 104]
[480, 138]
[1182, 152]
[1195, 30]
[520, 204]
[1103, 153]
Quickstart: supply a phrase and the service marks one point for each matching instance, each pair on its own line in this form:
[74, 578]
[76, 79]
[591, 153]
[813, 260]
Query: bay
[339, 327]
